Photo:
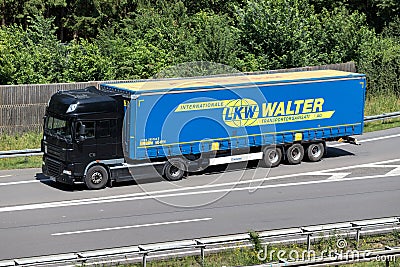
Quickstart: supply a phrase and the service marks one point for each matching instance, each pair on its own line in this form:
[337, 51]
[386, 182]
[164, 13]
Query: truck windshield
[59, 128]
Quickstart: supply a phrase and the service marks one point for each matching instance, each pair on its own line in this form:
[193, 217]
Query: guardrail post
[309, 242]
[144, 256]
[309, 234]
[387, 258]
[202, 252]
[358, 230]
[202, 255]
[358, 237]
[144, 259]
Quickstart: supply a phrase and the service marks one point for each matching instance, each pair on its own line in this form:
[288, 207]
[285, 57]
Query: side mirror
[81, 133]
[82, 130]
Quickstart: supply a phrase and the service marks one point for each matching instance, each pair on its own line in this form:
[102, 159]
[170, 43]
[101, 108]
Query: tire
[272, 156]
[96, 177]
[315, 152]
[174, 170]
[295, 154]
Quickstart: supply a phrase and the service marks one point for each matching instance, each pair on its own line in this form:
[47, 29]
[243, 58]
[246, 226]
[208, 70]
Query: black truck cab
[82, 133]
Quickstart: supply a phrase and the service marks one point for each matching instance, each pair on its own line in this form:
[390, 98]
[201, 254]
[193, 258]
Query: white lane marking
[3, 176]
[382, 166]
[24, 182]
[354, 166]
[395, 171]
[130, 227]
[174, 194]
[337, 145]
[368, 140]
[338, 175]
[379, 138]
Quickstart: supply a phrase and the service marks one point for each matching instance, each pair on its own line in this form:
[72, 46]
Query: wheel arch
[175, 159]
[95, 163]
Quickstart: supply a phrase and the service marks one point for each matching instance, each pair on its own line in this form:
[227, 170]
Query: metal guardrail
[20, 153]
[382, 116]
[308, 234]
[37, 152]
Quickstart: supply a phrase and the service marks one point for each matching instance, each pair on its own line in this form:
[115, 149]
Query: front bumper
[56, 171]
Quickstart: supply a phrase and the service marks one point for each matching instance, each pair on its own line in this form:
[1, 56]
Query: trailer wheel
[175, 170]
[96, 177]
[295, 154]
[315, 152]
[272, 156]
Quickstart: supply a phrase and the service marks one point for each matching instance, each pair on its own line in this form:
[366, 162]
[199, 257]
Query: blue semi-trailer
[176, 126]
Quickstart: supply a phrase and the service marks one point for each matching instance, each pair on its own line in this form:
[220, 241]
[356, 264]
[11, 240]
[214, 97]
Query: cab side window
[103, 128]
[89, 129]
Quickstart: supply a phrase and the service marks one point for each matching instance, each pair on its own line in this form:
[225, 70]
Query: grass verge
[375, 105]
[21, 163]
[381, 125]
[19, 142]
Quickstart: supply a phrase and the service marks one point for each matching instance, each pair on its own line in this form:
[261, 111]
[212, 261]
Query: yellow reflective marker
[215, 146]
[298, 136]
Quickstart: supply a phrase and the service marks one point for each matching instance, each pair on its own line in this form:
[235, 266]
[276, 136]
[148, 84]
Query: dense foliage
[79, 40]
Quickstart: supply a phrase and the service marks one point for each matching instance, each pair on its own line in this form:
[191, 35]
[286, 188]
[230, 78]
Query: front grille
[53, 151]
[54, 168]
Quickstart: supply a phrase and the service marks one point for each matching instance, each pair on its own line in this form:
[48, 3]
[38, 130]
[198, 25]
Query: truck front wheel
[295, 154]
[96, 177]
[175, 170]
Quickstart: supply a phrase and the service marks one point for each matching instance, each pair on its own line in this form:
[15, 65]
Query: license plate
[53, 179]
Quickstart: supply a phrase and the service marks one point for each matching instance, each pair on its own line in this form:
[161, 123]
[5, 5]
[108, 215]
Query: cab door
[87, 146]
[106, 139]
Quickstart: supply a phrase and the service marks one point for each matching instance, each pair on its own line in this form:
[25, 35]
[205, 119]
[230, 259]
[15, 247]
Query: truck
[118, 131]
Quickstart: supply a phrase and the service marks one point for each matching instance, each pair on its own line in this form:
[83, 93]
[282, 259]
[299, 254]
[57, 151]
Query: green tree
[277, 32]
[29, 56]
[226, 7]
[380, 61]
[338, 35]
[216, 38]
[130, 60]
[84, 18]
[289, 33]
[166, 28]
[84, 62]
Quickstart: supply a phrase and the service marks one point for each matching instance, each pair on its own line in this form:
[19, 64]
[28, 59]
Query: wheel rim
[273, 157]
[315, 151]
[96, 177]
[295, 153]
[174, 171]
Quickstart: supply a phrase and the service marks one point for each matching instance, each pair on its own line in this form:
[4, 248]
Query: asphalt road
[38, 217]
